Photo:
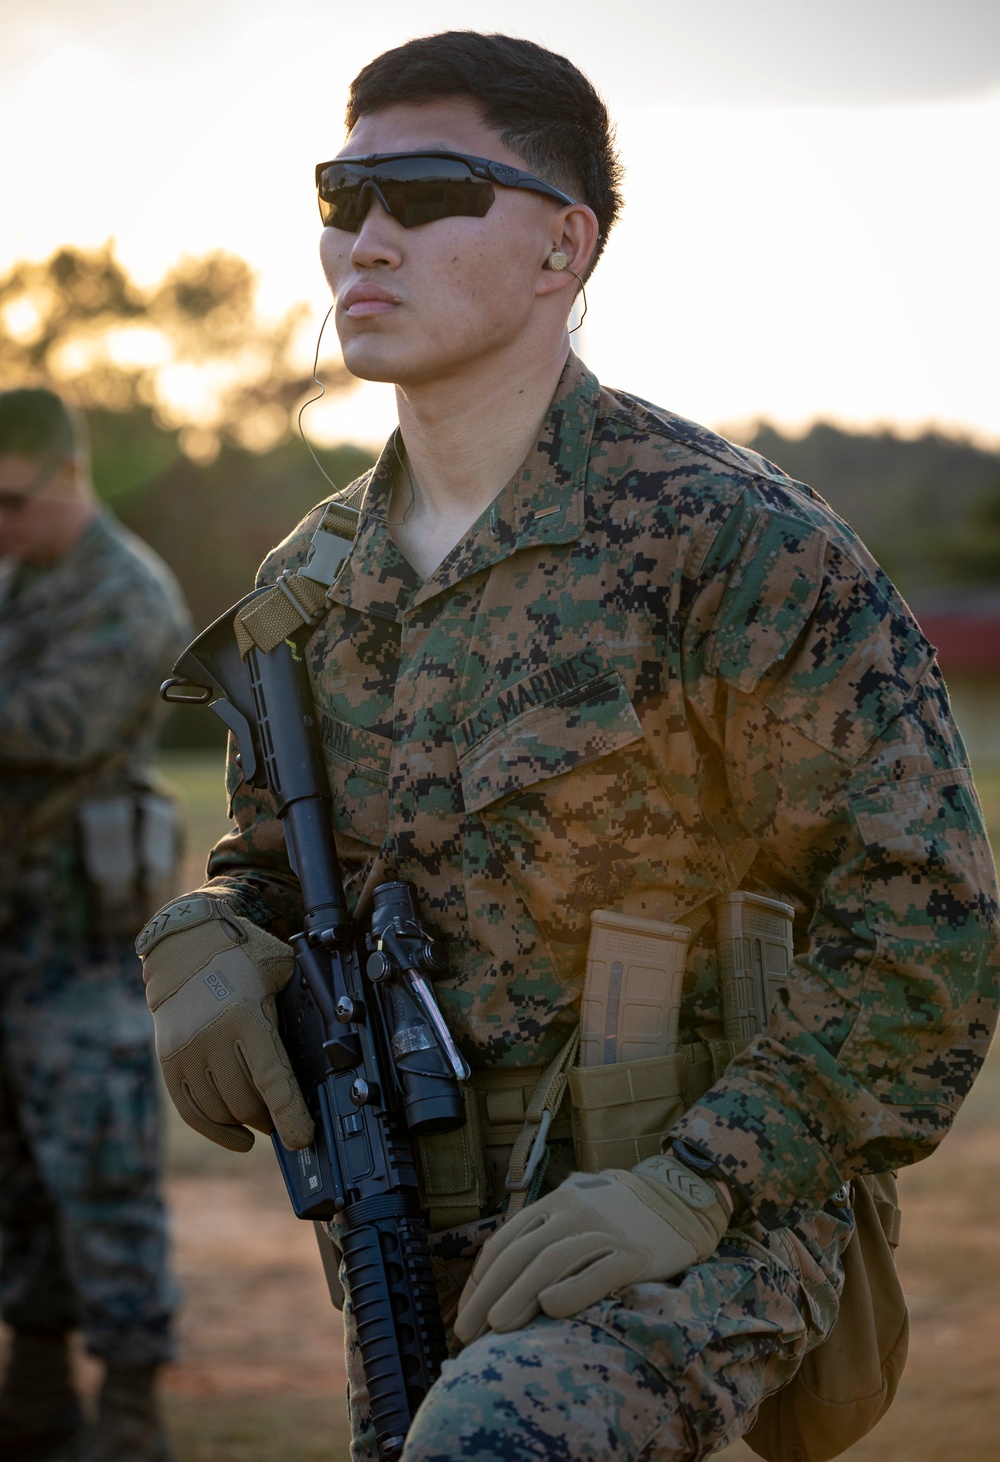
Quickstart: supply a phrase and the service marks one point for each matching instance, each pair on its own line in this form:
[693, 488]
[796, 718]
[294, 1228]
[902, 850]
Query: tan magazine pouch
[511, 1116]
[620, 1113]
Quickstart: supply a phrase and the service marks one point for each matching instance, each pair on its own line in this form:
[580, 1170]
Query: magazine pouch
[130, 843]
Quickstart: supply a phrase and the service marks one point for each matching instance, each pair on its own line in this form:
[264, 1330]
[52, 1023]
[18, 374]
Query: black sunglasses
[417, 187]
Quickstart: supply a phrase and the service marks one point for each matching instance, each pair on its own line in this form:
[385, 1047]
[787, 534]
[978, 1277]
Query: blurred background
[807, 257]
[807, 260]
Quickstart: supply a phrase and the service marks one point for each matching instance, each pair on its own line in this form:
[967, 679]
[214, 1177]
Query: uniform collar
[542, 504]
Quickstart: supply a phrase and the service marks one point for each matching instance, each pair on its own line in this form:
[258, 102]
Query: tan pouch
[461, 1172]
[130, 842]
[621, 1112]
[453, 1171]
[845, 1385]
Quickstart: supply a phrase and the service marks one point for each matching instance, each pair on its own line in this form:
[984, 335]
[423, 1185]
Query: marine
[586, 655]
[90, 622]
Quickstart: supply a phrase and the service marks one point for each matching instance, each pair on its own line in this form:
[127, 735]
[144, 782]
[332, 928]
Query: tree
[191, 349]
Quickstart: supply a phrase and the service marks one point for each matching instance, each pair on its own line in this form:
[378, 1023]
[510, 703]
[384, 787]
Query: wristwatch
[706, 1165]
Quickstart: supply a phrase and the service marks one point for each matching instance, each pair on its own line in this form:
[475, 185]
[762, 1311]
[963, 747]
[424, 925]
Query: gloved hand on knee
[211, 978]
[590, 1236]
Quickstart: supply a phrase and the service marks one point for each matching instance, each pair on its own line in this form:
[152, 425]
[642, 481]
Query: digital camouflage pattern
[84, 645]
[660, 1371]
[83, 1230]
[652, 645]
[655, 1373]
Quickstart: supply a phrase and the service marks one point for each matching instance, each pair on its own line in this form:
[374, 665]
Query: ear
[574, 234]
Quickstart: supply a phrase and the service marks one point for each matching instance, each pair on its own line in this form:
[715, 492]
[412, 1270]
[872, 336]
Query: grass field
[260, 1376]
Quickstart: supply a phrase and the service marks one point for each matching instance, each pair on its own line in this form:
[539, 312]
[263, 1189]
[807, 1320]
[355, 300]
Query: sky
[812, 210]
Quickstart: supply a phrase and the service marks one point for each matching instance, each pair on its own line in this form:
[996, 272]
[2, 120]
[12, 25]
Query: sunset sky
[812, 222]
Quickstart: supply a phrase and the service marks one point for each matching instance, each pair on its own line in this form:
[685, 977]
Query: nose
[376, 241]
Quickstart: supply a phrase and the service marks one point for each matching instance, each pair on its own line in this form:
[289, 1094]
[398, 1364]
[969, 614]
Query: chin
[393, 367]
[369, 361]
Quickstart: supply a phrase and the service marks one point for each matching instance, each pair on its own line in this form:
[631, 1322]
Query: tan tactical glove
[211, 978]
[587, 1238]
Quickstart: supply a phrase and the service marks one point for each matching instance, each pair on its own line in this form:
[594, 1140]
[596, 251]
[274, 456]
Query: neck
[465, 438]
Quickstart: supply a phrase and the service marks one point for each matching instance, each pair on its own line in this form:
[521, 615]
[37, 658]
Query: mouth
[367, 299]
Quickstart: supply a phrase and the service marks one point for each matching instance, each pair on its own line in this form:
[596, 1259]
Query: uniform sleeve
[249, 867]
[836, 749]
[95, 679]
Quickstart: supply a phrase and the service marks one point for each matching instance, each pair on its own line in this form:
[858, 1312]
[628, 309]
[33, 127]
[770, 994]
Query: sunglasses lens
[415, 190]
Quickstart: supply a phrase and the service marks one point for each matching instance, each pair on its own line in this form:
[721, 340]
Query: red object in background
[965, 629]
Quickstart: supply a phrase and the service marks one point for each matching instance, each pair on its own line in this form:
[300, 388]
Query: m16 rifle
[366, 1040]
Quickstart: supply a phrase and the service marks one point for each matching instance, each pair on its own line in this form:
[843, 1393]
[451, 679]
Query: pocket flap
[367, 754]
[549, 740]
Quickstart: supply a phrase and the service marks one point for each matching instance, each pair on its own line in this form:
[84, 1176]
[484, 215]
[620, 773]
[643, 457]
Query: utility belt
[612, 1116]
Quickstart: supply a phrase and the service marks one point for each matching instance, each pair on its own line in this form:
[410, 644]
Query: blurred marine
[90, 619]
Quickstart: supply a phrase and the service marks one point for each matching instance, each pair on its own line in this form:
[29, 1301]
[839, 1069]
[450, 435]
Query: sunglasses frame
[482, 169]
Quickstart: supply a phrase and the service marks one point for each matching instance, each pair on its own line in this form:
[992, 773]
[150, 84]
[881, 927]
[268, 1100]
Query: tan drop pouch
[846, 1385]
[620, 1111]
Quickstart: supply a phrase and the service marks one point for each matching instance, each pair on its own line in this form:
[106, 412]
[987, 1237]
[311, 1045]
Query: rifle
[367, 1042]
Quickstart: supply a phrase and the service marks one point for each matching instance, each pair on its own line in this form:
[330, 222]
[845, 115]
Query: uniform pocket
[575, 814]
[358, 769]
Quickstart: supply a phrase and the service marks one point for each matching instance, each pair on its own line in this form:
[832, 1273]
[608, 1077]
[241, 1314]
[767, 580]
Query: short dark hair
[541, 105]
[36, 423]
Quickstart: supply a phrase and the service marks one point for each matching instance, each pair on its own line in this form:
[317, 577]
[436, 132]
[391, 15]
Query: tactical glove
[590, 1236]
[211, 978]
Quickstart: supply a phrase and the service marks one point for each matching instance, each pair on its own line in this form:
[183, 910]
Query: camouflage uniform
[651, 646]
[83, 646]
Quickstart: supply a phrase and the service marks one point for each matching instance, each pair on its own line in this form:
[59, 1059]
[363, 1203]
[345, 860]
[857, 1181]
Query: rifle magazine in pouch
[632, 1081]
[755, 945]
